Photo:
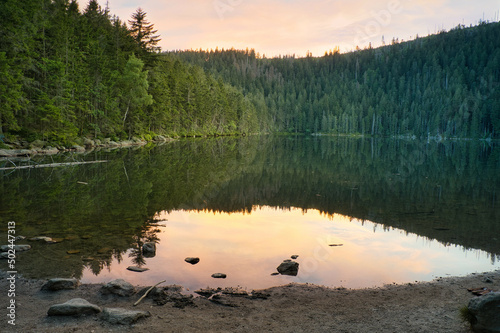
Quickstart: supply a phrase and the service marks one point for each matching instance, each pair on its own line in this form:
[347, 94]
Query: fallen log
[50, 165]
[147, 292]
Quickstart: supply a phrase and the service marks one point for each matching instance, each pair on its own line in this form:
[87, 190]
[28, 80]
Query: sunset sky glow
[285, 27]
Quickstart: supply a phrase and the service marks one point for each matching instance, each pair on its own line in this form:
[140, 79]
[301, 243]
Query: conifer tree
[143, 33]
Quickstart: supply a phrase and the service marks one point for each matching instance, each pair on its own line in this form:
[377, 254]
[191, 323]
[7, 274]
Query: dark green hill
[444, 85]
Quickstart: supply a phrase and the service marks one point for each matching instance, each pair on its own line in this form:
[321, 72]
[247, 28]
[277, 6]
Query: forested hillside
[67, 73]
[444, 85]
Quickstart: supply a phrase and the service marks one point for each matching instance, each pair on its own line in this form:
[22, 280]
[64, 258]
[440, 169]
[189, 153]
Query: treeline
[444, 85]
[67, 74]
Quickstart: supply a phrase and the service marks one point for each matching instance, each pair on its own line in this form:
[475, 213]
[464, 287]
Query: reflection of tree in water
[96, 266]
[422, 188]
[148, 233]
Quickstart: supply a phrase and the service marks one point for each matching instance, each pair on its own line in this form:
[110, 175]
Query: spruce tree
[143, 33]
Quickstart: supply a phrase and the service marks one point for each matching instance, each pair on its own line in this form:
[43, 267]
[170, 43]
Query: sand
[417, 307]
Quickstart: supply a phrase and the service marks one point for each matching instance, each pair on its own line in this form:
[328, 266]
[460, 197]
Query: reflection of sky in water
[249, 247]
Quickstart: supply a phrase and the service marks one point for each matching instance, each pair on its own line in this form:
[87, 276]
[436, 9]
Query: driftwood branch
[147, 292]
[50, 165]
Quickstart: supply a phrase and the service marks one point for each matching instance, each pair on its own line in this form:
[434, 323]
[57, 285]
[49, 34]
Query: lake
[357, 212]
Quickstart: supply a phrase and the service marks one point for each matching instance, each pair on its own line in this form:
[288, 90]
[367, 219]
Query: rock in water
[17, 247]
[38, 238]
[73, 307]
[137, 269]
[60, 284]
[219, 276]
[149, 249]
[192, 260]
[486, 310]
[122, 316]
[288, 267]
[118, 287]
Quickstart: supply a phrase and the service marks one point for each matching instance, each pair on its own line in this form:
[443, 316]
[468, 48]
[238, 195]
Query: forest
[68, 73]
[442, 86]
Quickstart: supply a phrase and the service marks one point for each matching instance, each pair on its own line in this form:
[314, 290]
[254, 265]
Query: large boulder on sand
[118, 287]
[122, 316]
[60, 284]
[73, 307]
[486, 310]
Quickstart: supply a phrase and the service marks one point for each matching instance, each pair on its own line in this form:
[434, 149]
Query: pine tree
[143, 33]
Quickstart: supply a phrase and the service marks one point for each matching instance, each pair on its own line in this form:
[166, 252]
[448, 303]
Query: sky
[288, 27]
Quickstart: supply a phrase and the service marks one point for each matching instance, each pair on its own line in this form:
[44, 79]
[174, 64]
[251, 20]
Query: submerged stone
[39, 238]
[17, 247]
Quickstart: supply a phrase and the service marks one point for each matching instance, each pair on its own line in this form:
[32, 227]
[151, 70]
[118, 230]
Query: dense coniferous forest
[443, 85]
[67, 73]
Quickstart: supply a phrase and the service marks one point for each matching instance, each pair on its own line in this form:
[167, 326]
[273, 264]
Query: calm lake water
[396, 211]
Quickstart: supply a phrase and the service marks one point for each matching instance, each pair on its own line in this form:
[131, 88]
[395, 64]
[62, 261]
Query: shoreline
[88, 145]
[20, 151]
[413, 307]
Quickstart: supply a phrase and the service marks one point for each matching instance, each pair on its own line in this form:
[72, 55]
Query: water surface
[403, 211]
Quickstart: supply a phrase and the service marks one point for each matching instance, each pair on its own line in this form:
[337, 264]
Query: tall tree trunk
[126, 112]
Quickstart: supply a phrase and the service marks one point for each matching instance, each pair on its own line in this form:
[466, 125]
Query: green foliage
[444, 85]
[132, 87]
[189, 102]
[143, 33]
[10, 95]
[67, 74]
[467, 316]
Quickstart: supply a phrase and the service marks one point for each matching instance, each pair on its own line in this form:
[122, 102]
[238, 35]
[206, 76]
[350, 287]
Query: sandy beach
[416, 307]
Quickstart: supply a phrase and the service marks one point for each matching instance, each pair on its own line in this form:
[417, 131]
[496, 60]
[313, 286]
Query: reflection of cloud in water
[249, 247]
